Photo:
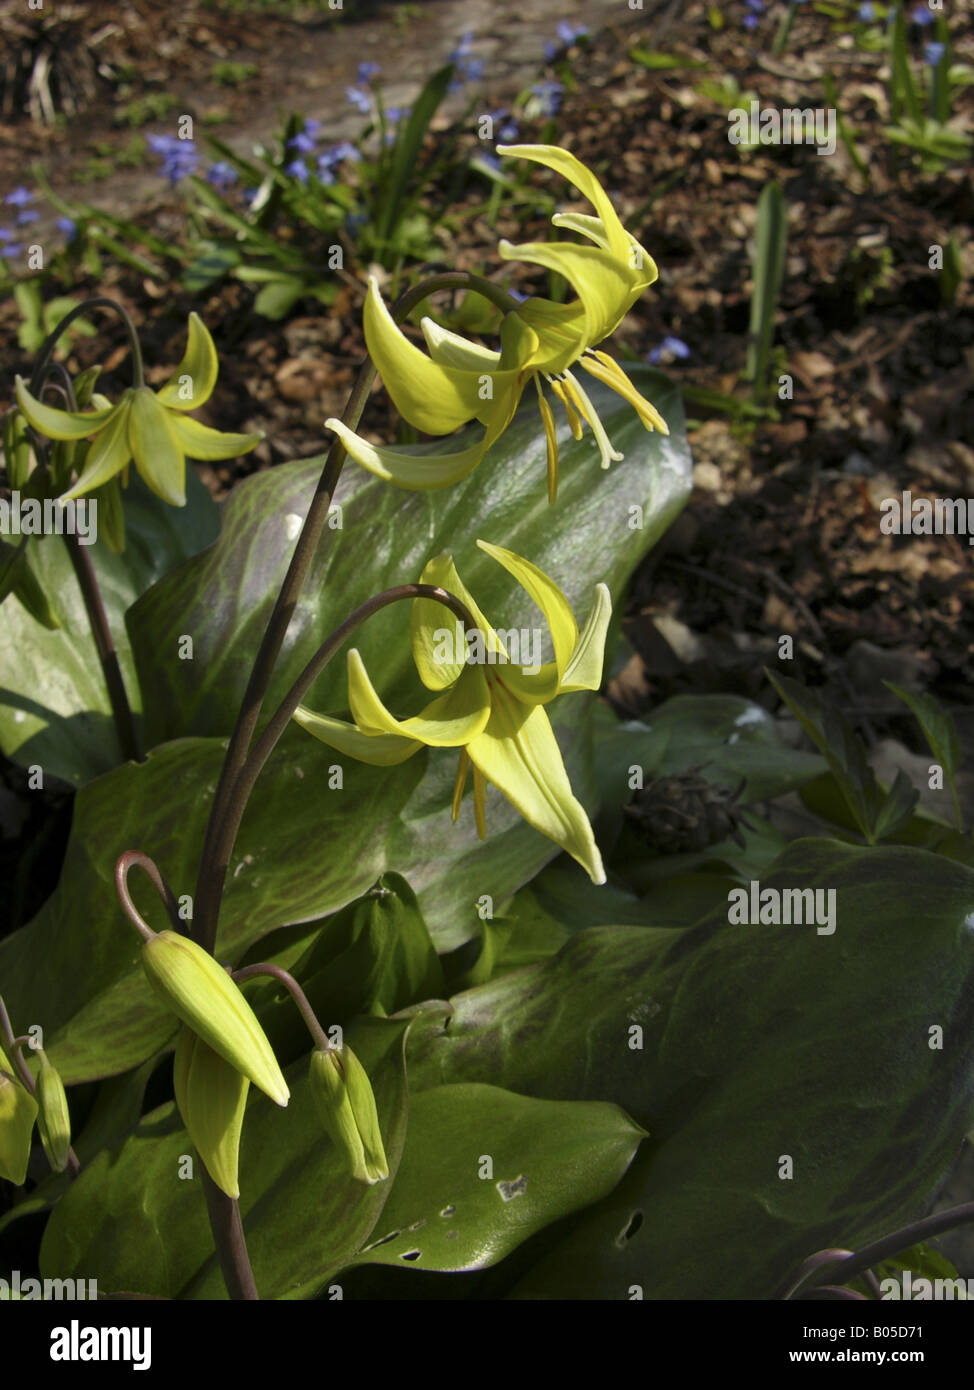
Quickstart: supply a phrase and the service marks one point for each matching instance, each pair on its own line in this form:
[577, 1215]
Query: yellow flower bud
[200, 992]
[53, 1116]
[212, 1097]
[346, 1104]
[18, 1111]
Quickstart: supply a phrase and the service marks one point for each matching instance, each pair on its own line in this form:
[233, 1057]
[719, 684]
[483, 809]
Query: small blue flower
[933, 52]
[337, 153]
[509, 133]
[68, 226]
[9, 249]
[867, 13]
[756, 5]
[26, 215]
[750, 21]
[312, 127]
[358, 99]
[302, 142]
[366, 72]
[516, 294]
[298, 170]
[326, 173]
[19, 197]
[669, 350]
[490, 160]
[549, 96]
[6, 234]
[221, 174]
[568, 33]
[179, 157]
[395, 114]
[922, 16]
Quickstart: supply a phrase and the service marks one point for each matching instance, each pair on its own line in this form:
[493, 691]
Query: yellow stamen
[548, 420]
[588, 411]
[615, 378]
[461, 782]
[479, 807]
[574, 423]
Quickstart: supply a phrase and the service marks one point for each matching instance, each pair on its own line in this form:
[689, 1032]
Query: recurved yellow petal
[518, 752]
[157, 453]
[546, 594]
[200, 442]
[434, 398]
[192, 383]
[60, 424]
[584, 669]
[447, 722]
[108, 453]
[381, 750]
[429, 618]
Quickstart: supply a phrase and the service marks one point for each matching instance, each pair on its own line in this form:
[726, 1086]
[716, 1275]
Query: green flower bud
[200, 992]
[53, 1117]
[212, 1098]
[18, 1111]
[346, 1104]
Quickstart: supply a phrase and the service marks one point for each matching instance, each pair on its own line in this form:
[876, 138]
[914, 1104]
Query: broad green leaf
[133, 1223]
[54, 708]
[757, 1041]
[549, 1159]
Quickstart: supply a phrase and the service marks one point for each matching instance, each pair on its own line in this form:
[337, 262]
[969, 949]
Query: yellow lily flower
[541, 340]
[487, 705]
[148, 426]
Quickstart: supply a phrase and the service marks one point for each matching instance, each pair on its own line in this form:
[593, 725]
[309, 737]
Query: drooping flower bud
[212, 1097]
[18, 1111]
[53, 1116]
[346, 1104]
[200, 992]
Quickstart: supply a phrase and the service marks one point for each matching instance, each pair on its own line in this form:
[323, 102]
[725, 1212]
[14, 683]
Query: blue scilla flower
[68, 226]
[549, 96]
[19, 197]
[358, 99]
[302, 142]
[922, 15]
[933, 52]
[867, 13]
[670, 349]
[179, 157]
[298, 170]
[221, 174]
[366, 72]
[26, 215]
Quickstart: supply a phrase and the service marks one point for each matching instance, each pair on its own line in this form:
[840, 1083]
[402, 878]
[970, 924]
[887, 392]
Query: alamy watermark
[755, 125]
[756, 906]
[518, 646]
[907, 515]
[70, 1290]
[30, 516]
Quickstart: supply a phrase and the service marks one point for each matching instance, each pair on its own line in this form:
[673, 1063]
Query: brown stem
[231, 1245]
[101, 632]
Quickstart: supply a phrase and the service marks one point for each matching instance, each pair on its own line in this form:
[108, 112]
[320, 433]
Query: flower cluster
[468, 69]
[756, 8]
[546, 98]
[179, 158]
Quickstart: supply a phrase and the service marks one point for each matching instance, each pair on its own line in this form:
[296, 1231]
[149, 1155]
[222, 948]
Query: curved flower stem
[50, 342]
[214, 859]
[250, 972]
[851, 1265]
[133, 858]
